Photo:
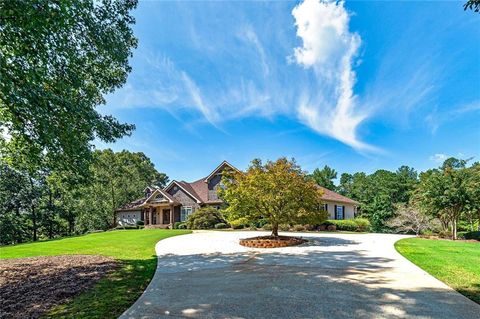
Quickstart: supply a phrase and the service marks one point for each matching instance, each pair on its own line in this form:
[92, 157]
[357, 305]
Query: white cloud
[247, 74]
[250, 35]
[329, 48]
[438, 158]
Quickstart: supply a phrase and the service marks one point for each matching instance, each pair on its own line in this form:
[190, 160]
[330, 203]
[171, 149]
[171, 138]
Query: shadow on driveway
[321, 279]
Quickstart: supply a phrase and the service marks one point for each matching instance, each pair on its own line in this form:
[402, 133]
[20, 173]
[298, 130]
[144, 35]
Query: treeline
[50, 204]
[443, 199]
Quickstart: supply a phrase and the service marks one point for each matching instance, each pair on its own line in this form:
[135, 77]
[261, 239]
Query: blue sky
[358, 86]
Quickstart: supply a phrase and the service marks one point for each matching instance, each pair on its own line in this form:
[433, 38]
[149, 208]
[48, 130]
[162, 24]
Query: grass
[455, 263]
[135, 249]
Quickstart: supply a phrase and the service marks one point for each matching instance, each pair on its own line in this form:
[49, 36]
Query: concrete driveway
[209, 275]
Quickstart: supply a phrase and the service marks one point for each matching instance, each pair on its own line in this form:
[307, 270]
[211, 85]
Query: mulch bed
[271, 241]
[31, 286]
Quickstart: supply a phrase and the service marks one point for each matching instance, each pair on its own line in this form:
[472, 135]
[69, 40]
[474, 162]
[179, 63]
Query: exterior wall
[212, 187]
[349, 209]
[128, 217]
[183, 198]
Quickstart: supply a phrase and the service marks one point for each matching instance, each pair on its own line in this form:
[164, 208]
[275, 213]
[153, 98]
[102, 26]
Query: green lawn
[135, 249]
[455, 263]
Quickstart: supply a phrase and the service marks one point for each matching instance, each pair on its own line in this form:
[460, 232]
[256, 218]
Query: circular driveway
[209, 275]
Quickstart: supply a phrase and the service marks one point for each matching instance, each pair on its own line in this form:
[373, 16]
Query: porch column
[150, 213]
[161, 215]
[171, 215]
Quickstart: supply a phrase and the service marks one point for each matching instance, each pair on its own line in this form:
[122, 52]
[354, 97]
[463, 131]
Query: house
[164, 206]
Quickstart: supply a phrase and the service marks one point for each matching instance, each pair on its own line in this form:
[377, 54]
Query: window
[184, 212]
[339, 212]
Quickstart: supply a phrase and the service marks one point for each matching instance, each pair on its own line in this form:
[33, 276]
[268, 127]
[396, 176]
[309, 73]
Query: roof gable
[186, 188]
[219, 168]
[159, 196]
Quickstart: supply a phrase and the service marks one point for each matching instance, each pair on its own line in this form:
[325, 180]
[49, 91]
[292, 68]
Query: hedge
[357, 224]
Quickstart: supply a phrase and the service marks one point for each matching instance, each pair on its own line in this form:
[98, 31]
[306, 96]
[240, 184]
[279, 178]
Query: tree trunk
[454, 229]
[70, 226]
[113, 205]
[34, 223]
[275, 230]
[34, 213]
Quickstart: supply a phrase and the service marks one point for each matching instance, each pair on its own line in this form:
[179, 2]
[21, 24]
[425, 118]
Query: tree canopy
[57, 61]
[324, 177]
[58, 203]
[449, 191]
[277, 191]
[379, 192]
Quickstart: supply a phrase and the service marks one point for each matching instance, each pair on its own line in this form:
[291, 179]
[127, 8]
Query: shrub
[310, 227]
[284, 227]
[260, 223]
[472, 235]
[298, 228]
[445, 234]
[140, 223]
[345, 224]
[331, 228]
[179, 225]
[239, 223]
[127, 227]
[267, 227]
[221, 226]
[427, 233]
[204, 218]
[363, 224]
[357, 224]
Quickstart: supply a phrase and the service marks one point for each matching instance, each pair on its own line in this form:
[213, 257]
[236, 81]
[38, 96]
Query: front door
[166, 216]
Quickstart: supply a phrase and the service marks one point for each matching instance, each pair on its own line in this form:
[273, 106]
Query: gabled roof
[186, 187]
[329, 195]
[219, 167]
[141, 202]
[198, 189]
[159, 191]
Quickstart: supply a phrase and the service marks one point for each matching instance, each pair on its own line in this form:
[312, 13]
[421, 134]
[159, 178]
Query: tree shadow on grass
[112, 294]
[31, 286]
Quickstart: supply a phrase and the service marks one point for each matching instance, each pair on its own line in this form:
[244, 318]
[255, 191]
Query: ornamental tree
[277, 191]
[409, 218]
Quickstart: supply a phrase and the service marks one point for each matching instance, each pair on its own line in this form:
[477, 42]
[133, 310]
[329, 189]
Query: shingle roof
[329, 195]
[133, 205]
[136, 204]
[199, 190]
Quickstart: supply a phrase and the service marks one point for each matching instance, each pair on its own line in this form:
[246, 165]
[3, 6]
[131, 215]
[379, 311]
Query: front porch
[159, 216]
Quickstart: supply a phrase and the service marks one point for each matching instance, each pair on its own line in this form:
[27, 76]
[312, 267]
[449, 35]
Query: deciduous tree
[57, 61]
[277, 191]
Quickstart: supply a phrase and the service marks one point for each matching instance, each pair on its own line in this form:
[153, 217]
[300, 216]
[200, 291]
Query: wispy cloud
[250, 35]
[438, 158]
[435, 118]
[295, 61]
[329, 49]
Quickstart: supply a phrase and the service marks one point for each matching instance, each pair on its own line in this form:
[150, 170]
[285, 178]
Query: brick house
[163, 207]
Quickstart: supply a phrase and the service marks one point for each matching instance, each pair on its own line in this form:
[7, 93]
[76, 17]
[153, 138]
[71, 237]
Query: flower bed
[271, 241]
